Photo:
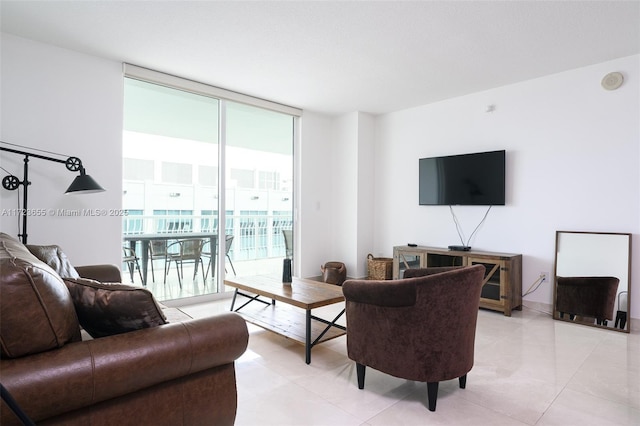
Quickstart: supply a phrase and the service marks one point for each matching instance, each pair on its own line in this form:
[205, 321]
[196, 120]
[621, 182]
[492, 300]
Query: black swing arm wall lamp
[83, 183]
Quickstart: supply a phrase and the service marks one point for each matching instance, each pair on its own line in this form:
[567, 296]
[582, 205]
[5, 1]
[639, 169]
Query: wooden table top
[303, 293]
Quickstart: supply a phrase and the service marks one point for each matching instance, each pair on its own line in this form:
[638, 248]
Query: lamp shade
[84, 184]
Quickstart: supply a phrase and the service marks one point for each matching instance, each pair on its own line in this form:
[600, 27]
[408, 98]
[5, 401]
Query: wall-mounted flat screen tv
[476, 179]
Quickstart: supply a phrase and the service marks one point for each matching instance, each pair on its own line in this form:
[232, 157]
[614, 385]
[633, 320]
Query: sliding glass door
[196, 167]
[259, 188]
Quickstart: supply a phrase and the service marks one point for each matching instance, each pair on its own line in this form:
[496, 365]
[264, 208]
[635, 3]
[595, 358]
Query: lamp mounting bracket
[11, 182]
[73, 164]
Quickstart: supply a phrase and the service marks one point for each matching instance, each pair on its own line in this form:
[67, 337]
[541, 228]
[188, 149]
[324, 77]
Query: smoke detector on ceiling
[612, 81]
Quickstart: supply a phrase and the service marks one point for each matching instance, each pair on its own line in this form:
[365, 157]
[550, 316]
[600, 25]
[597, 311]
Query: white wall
[314, 194]
[573, 162]
[349, 173]
[366, 193]
[344, 180]
[70, 103]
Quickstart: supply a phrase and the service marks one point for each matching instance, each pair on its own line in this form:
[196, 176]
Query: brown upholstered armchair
[419, 328]
[590, 297]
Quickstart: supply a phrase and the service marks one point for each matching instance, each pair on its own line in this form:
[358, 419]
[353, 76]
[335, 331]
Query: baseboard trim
[544, 308]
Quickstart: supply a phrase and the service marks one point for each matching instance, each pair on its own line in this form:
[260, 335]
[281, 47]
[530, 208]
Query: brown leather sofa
[178, 373]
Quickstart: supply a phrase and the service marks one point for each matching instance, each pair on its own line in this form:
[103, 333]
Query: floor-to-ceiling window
[259, 163]
[197, 165]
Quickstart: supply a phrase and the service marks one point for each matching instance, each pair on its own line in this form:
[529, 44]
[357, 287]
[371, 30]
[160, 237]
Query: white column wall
[366, 194]
[344, 183]
[315, 217]
[349, 170]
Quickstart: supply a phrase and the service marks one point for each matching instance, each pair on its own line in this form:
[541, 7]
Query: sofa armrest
[84, 373]
[102, 273]
[396, 293]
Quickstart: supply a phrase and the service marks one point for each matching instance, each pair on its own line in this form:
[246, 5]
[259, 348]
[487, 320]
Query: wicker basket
[380, 268]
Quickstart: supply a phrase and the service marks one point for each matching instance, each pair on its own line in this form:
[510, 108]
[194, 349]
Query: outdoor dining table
[145, 240]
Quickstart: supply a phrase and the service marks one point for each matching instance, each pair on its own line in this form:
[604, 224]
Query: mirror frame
[556, 314]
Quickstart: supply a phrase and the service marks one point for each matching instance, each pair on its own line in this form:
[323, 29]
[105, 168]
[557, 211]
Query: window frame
[224, 95]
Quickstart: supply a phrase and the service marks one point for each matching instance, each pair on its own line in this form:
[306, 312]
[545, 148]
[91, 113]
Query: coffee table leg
[233, 302]
[307, 345]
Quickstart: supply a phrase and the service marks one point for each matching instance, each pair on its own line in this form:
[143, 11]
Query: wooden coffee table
[306, 294]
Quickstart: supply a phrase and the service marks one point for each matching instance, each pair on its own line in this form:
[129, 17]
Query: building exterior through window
[173, 166]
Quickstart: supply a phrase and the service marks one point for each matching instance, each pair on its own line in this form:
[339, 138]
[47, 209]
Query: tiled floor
[193, 284]
[529, 370]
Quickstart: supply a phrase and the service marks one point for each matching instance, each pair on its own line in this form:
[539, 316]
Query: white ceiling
[337, 57]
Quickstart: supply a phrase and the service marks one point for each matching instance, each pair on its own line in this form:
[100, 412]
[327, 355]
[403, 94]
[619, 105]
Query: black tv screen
[476, 179]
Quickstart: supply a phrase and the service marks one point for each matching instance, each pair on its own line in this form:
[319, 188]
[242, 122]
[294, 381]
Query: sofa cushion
[54, 257]
[105, 309]
[36, 310]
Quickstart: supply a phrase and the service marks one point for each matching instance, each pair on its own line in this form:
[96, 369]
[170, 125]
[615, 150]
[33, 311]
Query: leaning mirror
[592, 279]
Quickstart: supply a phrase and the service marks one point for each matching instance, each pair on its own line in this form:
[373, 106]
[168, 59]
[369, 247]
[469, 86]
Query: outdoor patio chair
[288, 242]
[157, 250]
[206, 252]
[132, 261]
[181, 252]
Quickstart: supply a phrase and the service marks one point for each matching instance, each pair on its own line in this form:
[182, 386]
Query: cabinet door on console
[494, 288]
[404, 259]
[502, 288]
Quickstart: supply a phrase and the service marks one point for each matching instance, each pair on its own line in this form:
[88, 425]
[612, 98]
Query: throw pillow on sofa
[54, 257]
[105, 309]
[37, 311]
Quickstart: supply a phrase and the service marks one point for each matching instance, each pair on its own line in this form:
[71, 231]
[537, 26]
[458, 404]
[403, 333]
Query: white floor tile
[576, 408]
[529, 370]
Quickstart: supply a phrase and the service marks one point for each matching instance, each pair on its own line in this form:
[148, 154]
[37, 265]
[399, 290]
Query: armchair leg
[432, 394]
[463, 381]
[360, 369]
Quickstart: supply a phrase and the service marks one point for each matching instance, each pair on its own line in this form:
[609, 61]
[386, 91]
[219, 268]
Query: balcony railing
[255, 236]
